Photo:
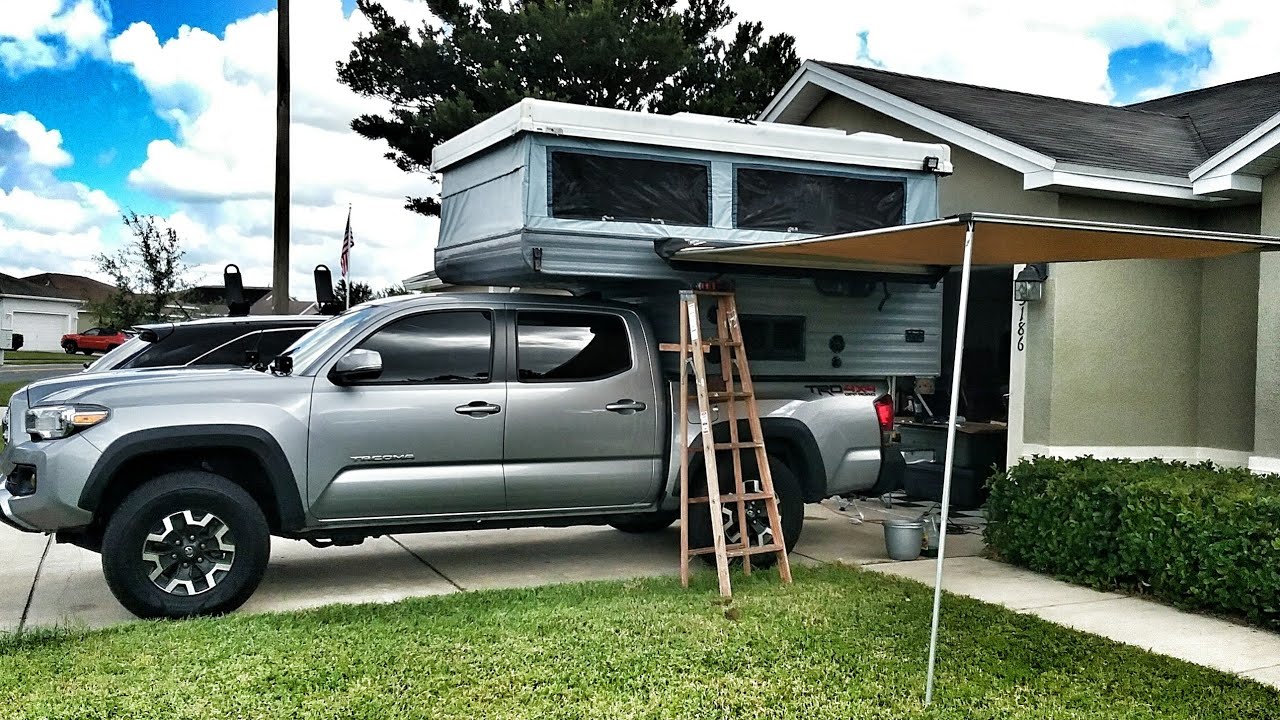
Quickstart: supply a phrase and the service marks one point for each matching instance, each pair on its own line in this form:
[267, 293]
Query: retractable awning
[966, 240]
[1003, 240]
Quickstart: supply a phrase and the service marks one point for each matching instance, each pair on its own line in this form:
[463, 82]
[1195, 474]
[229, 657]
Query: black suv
[226, 342]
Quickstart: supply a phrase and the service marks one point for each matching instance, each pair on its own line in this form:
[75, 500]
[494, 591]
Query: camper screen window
[773, 337]
[815, 203]
[603, 187]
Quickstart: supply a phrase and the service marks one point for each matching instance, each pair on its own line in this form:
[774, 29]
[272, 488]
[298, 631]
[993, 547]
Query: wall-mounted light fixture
[1028, 286]
[931, 163]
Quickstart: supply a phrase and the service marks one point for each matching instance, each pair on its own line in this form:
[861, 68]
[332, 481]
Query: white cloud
[1044, 48]
[219, 170]
[46, 223]
[39, 34]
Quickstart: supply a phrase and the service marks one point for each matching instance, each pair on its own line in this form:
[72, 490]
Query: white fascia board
[1111, 182]
[1248, 148]
[1233, 185]
[38, 297]
[944, 127]
[691, 131]
[787, 95]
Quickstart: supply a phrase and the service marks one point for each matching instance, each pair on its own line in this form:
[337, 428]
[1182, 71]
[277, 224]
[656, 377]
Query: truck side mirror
[355, 366]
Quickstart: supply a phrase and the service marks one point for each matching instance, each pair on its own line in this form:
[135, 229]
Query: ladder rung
[733, 497]
[723, 396]
[707, 345]
[738, 550]
[740, 445]
[713, 293]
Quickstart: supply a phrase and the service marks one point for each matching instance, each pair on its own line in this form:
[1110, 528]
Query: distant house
[40, 314]
[85, 289]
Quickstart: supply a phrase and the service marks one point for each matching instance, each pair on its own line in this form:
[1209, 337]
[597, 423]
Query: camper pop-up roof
[549, 193]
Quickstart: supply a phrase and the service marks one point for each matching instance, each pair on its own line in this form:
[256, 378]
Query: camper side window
[570, 346]
[773, 337]
[629, 189]
[789, 201]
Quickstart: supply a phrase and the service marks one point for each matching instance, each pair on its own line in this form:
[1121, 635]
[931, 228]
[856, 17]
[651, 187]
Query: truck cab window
[570, 346]
[435, 348]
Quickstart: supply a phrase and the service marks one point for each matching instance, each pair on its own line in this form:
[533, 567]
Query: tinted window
[91, 332]
[185, 344]
[773, 337]
[273, 342]
[597, 187]
[815, 203]
[443, 347]
[563, 346]
[232, 353]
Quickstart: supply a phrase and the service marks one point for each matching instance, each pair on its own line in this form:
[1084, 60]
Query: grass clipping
[839, 643]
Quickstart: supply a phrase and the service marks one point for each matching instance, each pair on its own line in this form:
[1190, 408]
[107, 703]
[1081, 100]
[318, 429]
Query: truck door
[584, 425]
[424, 438]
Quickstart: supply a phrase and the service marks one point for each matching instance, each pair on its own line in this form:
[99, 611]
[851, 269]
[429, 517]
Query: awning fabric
[1000, 240]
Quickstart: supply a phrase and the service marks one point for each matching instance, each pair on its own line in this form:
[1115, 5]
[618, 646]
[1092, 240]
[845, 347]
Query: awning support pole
[957, 365]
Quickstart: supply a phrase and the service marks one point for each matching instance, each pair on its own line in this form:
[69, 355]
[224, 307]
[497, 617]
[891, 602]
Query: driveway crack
[426, 562]
[31, 594]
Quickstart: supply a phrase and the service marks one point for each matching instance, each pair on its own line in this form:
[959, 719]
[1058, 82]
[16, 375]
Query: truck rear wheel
[187, 543]
[790, 506]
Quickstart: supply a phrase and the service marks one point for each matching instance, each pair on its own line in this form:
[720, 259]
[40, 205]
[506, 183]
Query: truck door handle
[478, 408]
[625, 406]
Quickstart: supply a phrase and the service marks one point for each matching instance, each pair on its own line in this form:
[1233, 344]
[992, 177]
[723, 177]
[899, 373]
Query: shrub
[1197, 536]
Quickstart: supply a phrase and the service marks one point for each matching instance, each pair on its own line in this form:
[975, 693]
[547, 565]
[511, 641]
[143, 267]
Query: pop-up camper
[549, 194]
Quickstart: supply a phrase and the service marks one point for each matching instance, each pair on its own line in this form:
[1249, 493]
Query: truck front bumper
[40, 484]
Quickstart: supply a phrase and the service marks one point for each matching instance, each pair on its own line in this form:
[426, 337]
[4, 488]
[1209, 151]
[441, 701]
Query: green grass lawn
[7, 389]
[30, 357]
[840, 643]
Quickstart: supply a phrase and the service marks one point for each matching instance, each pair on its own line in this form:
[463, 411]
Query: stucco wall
[1267, 418]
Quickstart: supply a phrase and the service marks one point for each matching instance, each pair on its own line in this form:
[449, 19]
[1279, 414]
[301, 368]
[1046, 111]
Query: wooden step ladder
[733, 360]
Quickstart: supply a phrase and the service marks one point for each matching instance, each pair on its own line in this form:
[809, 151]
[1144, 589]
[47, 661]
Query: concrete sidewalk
[1202, 640]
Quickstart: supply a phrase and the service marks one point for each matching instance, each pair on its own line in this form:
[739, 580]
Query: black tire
[639, 523]
[144, 512]
[790, 505]
[70, 348]
[87, 351]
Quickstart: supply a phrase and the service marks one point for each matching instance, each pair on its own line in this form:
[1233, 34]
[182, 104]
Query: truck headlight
[59, 421]
[4, 426]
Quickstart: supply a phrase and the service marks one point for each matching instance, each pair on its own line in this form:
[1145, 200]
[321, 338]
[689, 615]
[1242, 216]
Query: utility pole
[280, 265]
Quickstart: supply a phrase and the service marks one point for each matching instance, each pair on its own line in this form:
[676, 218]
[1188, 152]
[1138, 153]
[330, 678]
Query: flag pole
[346, 267]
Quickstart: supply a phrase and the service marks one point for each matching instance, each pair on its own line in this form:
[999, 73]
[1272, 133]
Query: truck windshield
[120, 355]
[310, 349]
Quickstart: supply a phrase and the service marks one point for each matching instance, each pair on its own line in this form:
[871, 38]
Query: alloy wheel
[188, 552]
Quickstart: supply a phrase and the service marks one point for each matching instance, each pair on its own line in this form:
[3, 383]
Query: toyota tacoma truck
[415, 413]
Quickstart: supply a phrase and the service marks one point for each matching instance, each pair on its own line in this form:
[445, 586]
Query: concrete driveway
[44, 583]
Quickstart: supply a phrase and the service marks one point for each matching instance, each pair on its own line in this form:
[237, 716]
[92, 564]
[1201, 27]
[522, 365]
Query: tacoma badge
[382, 458]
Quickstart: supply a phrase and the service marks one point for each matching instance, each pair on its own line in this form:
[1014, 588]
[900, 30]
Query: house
[40, 314]
[86, 289]
[1177, 359]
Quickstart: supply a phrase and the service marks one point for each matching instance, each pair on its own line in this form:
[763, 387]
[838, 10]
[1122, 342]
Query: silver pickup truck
[416, 413]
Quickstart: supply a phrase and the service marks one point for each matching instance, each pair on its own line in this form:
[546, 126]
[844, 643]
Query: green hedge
[1197, 536]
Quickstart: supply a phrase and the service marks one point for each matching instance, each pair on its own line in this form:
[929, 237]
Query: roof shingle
[1151, 137]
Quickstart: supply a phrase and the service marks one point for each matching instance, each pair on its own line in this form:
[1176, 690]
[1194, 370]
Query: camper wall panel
[487, 210]
[497, 162]
[586, 185]
[770, 198]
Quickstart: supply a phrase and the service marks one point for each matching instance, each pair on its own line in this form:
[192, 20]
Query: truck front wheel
[790, 507]
[184, 544]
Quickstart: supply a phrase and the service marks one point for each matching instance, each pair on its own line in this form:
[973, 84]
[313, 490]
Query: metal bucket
[903, 538]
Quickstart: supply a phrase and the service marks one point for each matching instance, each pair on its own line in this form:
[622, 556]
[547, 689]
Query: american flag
[348, 242]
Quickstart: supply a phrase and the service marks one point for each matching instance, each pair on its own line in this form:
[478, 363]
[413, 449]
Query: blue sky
[122, 109]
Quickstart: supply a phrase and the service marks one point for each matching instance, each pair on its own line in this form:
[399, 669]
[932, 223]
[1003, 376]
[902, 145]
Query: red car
[93, 340]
